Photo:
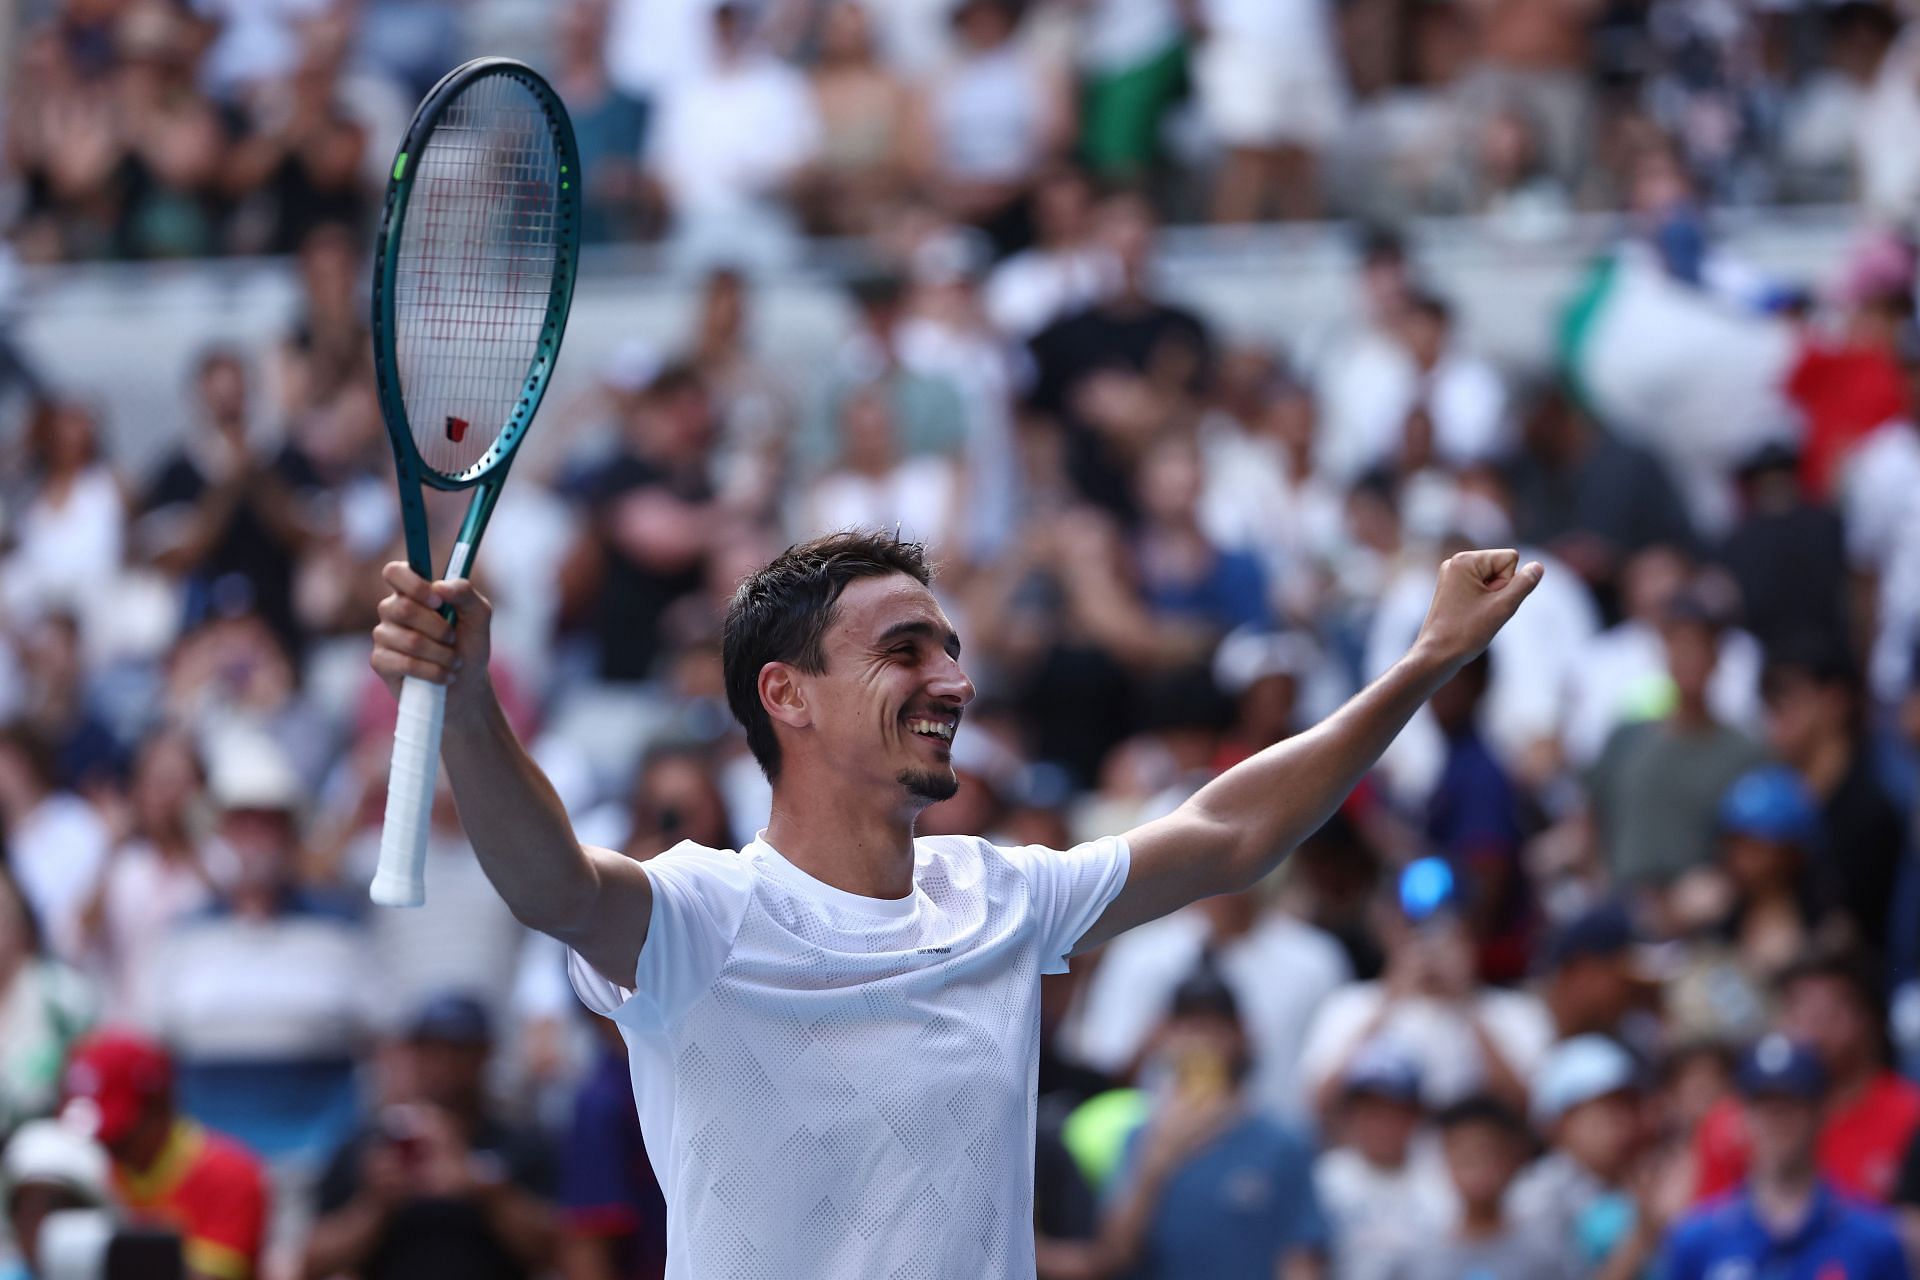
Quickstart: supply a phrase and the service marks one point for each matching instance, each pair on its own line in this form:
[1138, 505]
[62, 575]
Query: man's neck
[855, 848]
[1783, 1200]
[1482, 1222]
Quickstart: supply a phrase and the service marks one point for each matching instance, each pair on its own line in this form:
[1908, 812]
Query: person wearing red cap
[167, 1169]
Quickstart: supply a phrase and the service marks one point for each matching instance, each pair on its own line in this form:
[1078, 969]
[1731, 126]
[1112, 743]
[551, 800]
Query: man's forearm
[1277, 798]
[514, 819]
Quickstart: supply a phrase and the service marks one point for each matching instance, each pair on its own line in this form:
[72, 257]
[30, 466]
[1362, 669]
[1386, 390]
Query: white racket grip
[400, 880]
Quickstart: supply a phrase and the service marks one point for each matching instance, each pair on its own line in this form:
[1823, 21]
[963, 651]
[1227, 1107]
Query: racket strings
[476, 268]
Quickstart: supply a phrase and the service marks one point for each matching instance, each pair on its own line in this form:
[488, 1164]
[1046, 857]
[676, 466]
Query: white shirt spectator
[1140, 970]
[56, 854]
[732, 135]
[1035, 287]
[1269, 73]
[1377, 1214]
[652, 44]
[1370, 389]
[989, 115]
[1253, 502]
[259, 41]
[144, 896]
[1888, 162]
[918, 496]
[63, 553]
[1432, 1033]
[1621, 675]
[1883, 538]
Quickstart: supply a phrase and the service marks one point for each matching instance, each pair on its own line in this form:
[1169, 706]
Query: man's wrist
[1428, 666]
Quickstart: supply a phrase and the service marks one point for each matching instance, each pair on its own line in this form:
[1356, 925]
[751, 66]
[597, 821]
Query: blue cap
[1381, 1070]
[1770, 803]
[1603, 930]
[1779, 1067]
[452, 1018]
[1426, 887]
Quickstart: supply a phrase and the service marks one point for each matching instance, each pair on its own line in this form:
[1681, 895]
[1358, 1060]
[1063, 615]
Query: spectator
[1829, 1004]
[1174, 1212]
[1781, 554]
[1621, 674]
[989, 122]
[167, 1169]
[609, 125]
[613, 1220]
[733, 137]
[305, 155]
[1422, 401]
[56, 841]
[60, 708]
[1473, 820]
[265, 999]
[442, 1186]
[1114, 375]
[1381, 1179]
[72, 530]
[1272, 94]
[1485, 1144]
[1816, 724]
[222, 517]
[44, 1007]
[1247, 939]
[168, 185]
[928, 405]
[1591, 499]
[1580, 1195]
[1065, 271]
[653, 514]
[1767, 899]
[1786, 1215]
[158, 873]
[874, 486]
[1466, 1038]
[1133, 65]
[864, 109]
[46, 1168]
[1657, 784]
[1590, 980]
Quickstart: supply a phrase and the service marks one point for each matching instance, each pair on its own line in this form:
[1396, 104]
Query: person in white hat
[1586, 1104]
[45, 1169]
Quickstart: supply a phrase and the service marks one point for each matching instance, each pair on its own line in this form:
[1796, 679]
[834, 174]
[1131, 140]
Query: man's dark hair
[780, 613]
[1483, 1109]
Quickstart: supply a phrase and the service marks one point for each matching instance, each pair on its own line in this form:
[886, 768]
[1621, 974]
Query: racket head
[474, 271]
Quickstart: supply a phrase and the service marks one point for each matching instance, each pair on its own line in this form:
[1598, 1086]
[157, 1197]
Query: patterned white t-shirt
[835, 1086]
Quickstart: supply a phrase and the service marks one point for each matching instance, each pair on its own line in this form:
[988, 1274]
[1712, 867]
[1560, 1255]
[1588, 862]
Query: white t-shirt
[1376, 1215]
[1130, 992]
[833, 1085]
[1432, 1033]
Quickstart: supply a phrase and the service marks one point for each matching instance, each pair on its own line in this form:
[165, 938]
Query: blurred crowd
[1612, 968]
[185, 128]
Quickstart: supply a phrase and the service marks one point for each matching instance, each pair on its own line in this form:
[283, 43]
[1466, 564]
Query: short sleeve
[226, 1239]
[700, 896]
[1070, 889]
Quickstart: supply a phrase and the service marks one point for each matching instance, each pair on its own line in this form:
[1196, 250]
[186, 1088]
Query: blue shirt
[1725, 1240]
[1238, 1206]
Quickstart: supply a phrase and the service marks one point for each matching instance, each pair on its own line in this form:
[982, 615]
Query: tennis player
[834, 1032]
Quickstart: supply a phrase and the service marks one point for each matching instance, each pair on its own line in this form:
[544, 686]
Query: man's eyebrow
[948, 639]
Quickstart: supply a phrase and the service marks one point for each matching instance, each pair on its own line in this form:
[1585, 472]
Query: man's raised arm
[596, 901]
[1242, 824]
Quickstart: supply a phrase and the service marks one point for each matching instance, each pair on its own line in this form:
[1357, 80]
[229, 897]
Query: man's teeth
[932, 728]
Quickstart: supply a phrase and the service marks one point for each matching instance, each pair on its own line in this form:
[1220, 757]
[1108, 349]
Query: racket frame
[490, 471]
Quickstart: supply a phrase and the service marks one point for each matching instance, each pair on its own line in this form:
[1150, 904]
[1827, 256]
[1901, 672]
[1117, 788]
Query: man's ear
[784, 695]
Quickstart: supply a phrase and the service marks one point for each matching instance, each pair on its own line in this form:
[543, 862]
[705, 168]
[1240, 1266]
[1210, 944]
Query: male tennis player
[834, 1032]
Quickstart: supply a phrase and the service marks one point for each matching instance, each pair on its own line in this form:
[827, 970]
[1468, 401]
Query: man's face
[886, 707]
[1602, 1133]
[1795, 719]
[1482, 1158]
[1783, 1131]
[1823, 1012]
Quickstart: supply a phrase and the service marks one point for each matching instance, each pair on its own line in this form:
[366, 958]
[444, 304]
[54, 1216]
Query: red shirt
[1861, 1144]
[212, 1191]
[1843, 393]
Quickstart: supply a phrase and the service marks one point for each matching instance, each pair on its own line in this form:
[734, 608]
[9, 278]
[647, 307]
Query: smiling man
[834, 1032]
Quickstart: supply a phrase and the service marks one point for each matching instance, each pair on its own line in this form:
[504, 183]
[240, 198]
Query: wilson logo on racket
[456, 428]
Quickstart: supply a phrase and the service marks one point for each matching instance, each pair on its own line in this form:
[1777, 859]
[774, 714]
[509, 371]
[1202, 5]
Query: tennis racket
[473, 276]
